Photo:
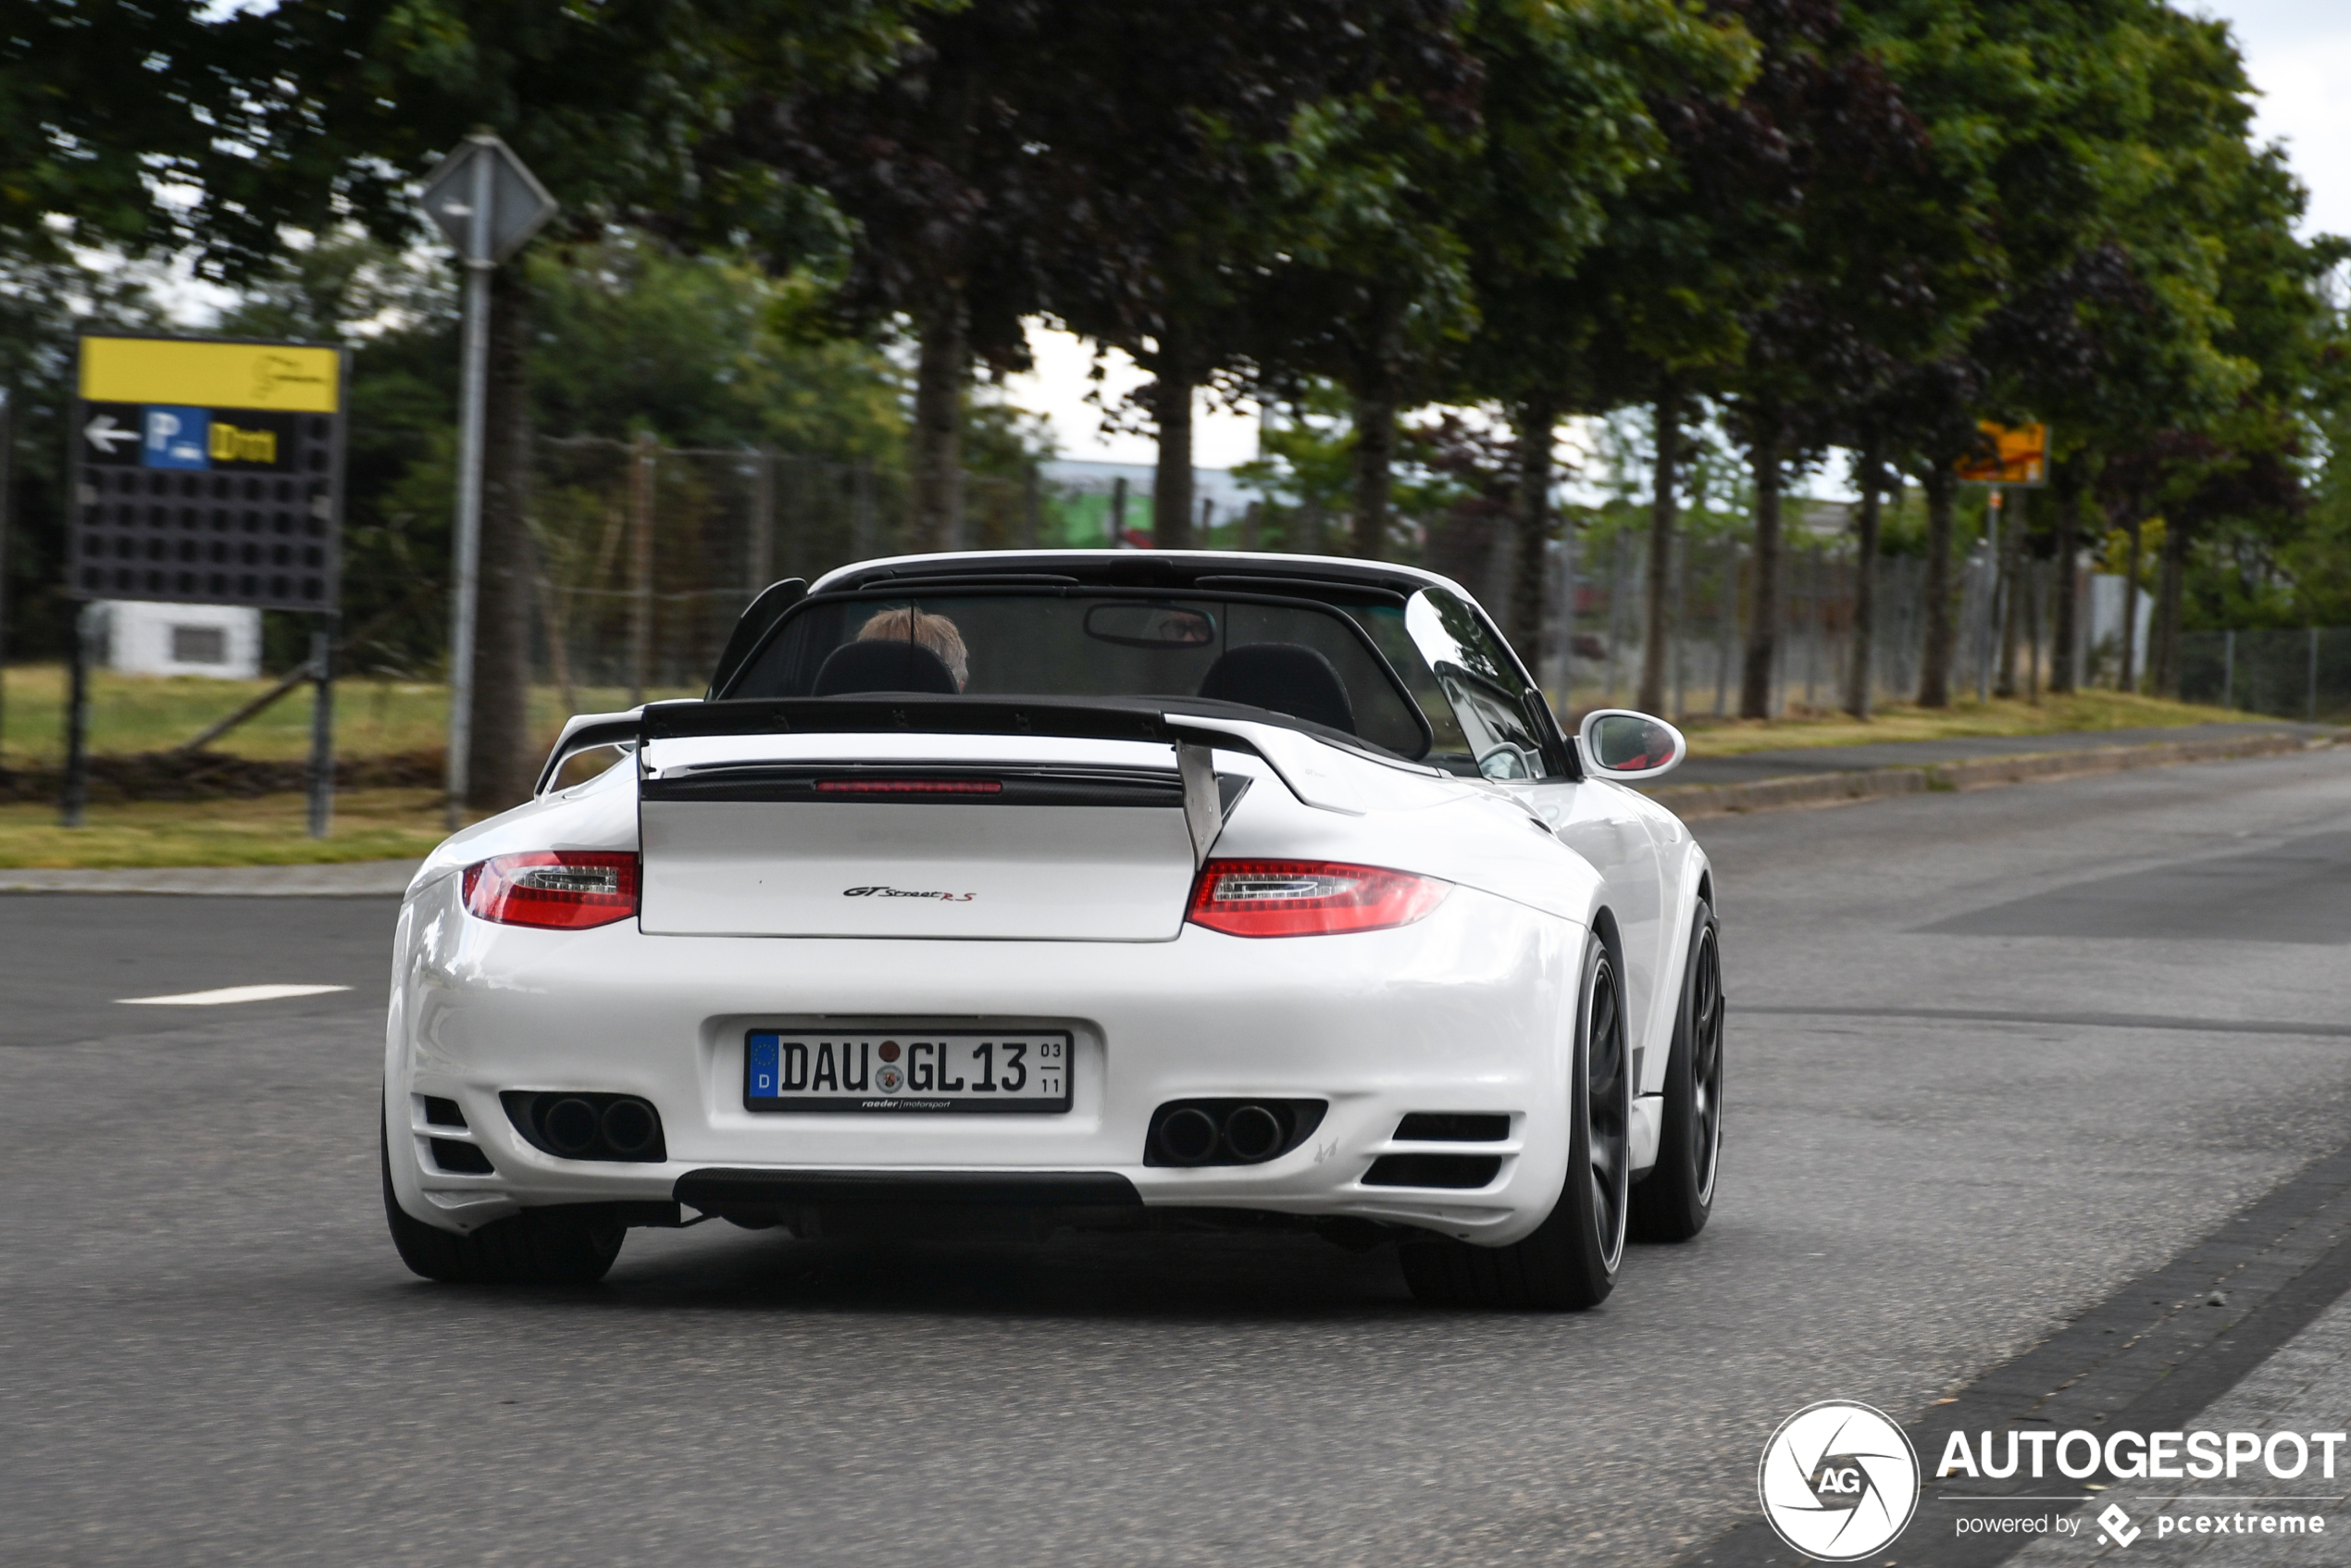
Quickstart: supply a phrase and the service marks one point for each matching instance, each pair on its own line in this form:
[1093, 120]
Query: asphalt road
[1994, 1053]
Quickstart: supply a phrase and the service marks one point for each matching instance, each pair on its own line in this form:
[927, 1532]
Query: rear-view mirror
[1151, 626]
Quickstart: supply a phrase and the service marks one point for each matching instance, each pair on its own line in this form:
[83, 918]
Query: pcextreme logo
[1838, 1480]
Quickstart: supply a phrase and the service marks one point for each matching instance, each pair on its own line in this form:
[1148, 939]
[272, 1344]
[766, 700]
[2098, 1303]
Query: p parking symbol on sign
[175, 436]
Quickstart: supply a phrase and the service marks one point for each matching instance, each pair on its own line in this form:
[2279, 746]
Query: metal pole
[1677, 643]
[762, 527]
[2313, 707]
[7, 475]
[2229, 668]
[641, 586]
[322, 727]
[75, 801]
[466, 592]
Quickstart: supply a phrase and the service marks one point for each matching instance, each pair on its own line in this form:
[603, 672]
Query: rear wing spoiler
[1296, 755]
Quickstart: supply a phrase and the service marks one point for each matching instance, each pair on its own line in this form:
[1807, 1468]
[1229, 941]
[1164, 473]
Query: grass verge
[2050, 716]
[144, 713]
[265, 830]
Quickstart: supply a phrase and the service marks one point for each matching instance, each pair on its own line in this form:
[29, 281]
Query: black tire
[1674, 1200]
[570, 1245]
[1571, 1261]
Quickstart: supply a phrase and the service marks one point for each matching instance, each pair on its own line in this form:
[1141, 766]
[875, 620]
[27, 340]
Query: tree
[1368, 285]
[1819, 137]
[343, 102]
[1568, 123]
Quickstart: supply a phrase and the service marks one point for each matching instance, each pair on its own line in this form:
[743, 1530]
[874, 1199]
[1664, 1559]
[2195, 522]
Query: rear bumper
[739, 1192]
[1467, 1011]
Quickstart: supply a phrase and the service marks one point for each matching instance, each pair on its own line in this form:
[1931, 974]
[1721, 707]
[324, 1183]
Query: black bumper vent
[461, 1159]
[1433, 1170]
[1452, 1127]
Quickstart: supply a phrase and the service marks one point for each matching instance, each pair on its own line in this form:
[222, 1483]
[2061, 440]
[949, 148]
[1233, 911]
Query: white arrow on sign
[103, 433]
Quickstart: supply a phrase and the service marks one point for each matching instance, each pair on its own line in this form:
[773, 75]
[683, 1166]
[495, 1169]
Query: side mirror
[1627, 747]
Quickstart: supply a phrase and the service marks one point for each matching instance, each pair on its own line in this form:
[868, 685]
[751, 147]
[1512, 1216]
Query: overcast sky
[2298, 53]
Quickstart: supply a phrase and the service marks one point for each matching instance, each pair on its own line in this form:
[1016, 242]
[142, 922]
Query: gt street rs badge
[880, 891]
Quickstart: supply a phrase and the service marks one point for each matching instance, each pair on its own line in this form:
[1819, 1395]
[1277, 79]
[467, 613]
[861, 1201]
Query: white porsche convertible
[1113, 889]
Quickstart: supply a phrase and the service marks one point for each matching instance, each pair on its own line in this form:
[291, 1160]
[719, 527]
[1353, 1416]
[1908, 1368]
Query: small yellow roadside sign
[2023, 456]
[293, 377]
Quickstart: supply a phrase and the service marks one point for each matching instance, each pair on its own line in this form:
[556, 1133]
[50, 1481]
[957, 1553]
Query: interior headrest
[883, 666]
[1288, 678]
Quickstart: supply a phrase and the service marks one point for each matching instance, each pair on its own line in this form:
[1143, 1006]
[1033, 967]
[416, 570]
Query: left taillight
[555, 889]
[1309, 898]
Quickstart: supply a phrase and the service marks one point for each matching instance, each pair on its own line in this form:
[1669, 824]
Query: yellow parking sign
[207, 471]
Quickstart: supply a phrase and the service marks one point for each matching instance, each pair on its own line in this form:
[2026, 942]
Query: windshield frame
[912, 590]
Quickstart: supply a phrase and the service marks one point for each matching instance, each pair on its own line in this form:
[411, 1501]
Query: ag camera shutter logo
[1838, 1481]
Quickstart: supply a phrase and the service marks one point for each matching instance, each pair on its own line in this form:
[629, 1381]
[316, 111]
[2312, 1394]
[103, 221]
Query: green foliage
[702, 351]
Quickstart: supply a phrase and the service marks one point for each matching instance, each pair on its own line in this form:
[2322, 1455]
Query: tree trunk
[1857, 674]
[1538, 418]
[2129, 680]
[1763, 598]
[1172, 414]
[941, 367]
[1374, 453]
[2065, 489]
[2170, 587]
[1657, 647]
[1935, 666]
[504, 757]
[2012, 588]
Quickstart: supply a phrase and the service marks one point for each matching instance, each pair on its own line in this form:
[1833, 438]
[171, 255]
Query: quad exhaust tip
[587, 1126]
[571, 1126]
[1253, 1133]
[1228, 1132]
[1188, 1136]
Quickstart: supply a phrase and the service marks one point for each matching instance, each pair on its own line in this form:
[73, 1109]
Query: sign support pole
[322, 726]
[75, 805]
[466, 590]
[8, 481]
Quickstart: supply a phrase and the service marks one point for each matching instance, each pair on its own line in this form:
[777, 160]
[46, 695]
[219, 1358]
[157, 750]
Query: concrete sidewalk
[1797, 761]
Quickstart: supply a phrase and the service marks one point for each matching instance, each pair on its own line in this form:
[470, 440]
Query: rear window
[1359, 668]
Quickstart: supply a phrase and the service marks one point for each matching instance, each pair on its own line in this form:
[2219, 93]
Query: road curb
[1691, 800]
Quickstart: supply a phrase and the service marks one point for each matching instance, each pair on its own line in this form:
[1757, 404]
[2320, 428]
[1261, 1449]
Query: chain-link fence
[2003, 626]
[2303, 674]
[647, 554]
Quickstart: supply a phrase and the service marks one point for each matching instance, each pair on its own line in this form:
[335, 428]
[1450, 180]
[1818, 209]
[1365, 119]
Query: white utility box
[152, 639]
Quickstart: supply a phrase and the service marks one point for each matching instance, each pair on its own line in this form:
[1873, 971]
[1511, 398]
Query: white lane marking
[227, 994]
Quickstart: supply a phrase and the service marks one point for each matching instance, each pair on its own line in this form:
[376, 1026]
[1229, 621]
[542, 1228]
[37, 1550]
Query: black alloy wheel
[1673, 1203]
[1608, 1111]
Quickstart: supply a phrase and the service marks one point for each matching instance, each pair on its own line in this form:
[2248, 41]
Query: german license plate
[933, 1070]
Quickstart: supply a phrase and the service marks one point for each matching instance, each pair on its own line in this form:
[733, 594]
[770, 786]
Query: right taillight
[555, 889]
[1307, 898]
